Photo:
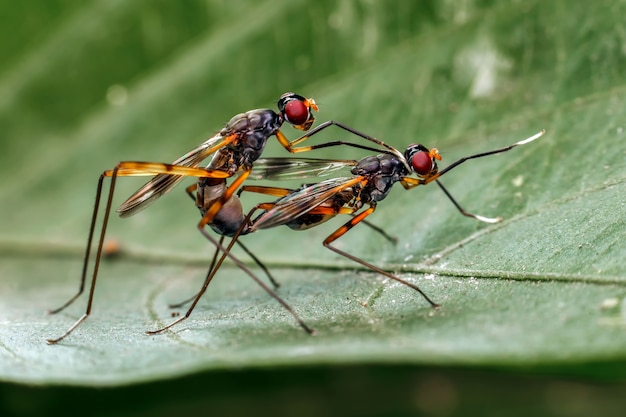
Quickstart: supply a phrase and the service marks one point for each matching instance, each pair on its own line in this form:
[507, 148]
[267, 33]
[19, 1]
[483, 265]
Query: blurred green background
[533, 318]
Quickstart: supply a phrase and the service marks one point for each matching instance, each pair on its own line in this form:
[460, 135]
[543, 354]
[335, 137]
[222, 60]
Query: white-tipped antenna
[530, 139]
[495, 151]
[486, 219]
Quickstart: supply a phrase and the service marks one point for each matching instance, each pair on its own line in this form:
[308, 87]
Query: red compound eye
[296, 112]
[422, 163]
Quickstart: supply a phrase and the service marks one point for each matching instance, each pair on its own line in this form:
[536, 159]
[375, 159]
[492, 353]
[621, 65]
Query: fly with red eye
[371, 182]
[233, 151]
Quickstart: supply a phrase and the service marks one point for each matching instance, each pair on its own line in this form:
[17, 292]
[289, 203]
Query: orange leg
[87, 255]
[217, 205]
[290, 145]
[272, 191]
[349, 225]
[191, 190]
[126, 168]
[146, 169]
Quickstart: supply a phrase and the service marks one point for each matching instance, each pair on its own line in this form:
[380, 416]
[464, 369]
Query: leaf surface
[108, 81]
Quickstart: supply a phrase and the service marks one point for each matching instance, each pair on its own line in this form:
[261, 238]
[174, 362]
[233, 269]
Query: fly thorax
[383, 164]
[390, 165]
[238, 123]
[367, 166]
[262, 125]
[266, 121]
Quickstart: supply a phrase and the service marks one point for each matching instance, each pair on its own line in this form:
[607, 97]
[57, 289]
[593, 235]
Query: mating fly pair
[235, 149]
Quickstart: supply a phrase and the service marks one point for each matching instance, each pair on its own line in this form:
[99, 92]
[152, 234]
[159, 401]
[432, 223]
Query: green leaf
[93, 84]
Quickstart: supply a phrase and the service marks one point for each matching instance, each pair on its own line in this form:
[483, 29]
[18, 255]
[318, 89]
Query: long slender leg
[409, 183]
[193, 297]
[349, 225]
[289, 145]
[261, 189]
[210, 214]
[226, 252]
[92, 227]
[260, 264]
[191, 190]
[122, 169]
[87, 253]
[467, 213]
[125, 168]
[392, 239]
[146, 169]
[206, 219]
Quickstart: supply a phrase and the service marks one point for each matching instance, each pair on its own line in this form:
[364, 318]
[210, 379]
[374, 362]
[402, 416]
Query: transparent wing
[161, 184]
[297, 168]
[302, 201]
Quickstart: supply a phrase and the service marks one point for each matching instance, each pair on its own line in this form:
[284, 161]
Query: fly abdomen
[230, 217]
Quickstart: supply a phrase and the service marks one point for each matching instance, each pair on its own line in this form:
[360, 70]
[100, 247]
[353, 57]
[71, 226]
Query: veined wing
[302, 201]
[297, 168]
[162, 183]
